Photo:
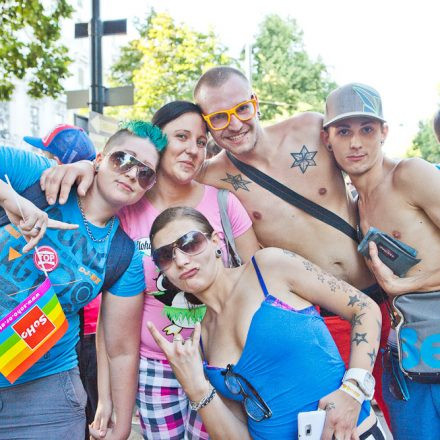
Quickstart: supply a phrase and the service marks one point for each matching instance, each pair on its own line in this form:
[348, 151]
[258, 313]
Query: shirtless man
[291, 152]
[395, 198]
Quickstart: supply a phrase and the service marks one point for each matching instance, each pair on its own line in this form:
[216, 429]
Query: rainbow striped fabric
[30, 330]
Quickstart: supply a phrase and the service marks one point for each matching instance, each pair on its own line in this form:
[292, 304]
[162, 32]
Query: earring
[329, 147]
[258, 113]
[381, 142]
[218, 253]
[96, 168]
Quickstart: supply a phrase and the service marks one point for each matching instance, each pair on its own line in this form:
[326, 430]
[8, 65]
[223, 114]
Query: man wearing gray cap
[394, 198]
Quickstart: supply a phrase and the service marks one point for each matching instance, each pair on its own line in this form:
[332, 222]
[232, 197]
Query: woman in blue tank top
[263, 353]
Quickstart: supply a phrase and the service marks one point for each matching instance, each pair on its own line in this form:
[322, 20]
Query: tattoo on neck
[304, 159]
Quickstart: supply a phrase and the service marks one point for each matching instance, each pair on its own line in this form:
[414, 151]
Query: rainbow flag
[30, 330]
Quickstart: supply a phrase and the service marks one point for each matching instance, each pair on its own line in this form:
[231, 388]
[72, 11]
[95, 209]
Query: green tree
[30, 48]
[164, 62]
[284, 76]
[425, 144]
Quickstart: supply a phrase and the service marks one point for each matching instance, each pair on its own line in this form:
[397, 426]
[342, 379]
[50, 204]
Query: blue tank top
[290, 375]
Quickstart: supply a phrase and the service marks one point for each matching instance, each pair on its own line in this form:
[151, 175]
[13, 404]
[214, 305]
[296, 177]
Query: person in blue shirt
[265, 346]
[48, 400]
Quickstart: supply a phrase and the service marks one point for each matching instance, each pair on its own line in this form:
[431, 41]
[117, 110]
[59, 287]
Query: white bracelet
[204, 401]
[354, 391]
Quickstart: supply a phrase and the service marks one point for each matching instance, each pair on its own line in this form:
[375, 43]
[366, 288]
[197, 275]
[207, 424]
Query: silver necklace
[86, 224]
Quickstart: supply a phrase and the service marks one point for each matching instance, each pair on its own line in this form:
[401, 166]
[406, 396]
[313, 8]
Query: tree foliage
[29, 47]
[284, 75]
[425, 144]
[164, 62]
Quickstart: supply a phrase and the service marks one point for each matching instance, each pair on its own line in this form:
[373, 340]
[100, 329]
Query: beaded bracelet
[204, 401]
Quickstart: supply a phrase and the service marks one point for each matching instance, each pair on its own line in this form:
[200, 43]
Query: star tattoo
[360, 337]
[304, 159]
[237, 182]
[356, 320]
[372, 355]
[353, 300]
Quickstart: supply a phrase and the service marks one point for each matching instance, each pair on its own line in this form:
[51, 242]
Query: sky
[391, 45]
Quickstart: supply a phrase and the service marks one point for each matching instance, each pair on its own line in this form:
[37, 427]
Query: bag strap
[295, 199]
[233, 257]
[119, 257]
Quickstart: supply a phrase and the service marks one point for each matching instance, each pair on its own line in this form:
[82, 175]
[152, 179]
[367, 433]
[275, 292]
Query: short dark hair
[176, 213]
[142, 129]
[173, 110]
[437, 124]
[216, 77]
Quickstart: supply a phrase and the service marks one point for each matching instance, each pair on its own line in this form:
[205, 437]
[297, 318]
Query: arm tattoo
[372, 356]
[330, 406]
[359, 337]
[356, 320]
[237, 182]
[303, 159]
[309, 266]
[353, 300]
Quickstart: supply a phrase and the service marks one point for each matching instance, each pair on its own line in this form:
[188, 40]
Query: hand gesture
[103, 420]
[342, 413]
[185, 360]
[33, 222]
[61, 178]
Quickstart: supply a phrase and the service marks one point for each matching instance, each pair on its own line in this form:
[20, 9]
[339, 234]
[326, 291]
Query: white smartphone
[311, 424]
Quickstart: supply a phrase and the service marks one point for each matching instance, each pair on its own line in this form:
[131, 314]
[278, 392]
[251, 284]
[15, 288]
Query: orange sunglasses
[244, 111]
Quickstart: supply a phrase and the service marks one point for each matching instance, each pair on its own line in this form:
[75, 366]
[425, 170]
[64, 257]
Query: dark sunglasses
[123, 162]
[256, 408]
[192, 243]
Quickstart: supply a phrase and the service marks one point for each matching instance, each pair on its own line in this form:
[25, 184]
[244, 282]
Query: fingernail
[51, 201]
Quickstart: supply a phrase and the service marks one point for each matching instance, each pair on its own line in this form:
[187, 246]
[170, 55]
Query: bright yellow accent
[13, 254]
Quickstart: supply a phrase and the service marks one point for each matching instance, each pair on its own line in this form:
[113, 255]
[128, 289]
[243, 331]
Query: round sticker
[46, 258]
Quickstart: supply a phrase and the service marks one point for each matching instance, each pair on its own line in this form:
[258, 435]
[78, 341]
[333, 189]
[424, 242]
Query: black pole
[96, 88]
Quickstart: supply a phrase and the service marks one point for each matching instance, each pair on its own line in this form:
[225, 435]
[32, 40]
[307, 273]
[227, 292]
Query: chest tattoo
[237, 182]
[303, 159]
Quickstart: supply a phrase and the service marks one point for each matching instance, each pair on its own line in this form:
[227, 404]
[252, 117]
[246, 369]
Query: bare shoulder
[300, 122]
[276, 258]
[213, 166]
[413, 171]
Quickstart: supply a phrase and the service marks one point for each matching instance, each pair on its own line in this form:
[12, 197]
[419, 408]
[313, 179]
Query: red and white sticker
[46, 258]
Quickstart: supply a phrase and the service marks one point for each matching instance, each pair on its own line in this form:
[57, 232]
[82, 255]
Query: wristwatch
[363, 378]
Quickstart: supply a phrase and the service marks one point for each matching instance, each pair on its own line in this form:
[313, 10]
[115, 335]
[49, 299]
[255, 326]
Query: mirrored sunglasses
[256, 408]
[122, 162]
[192, 243]
[244, 111]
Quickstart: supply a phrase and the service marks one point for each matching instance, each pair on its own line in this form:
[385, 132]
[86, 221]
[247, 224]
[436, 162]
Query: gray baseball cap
[352, 100]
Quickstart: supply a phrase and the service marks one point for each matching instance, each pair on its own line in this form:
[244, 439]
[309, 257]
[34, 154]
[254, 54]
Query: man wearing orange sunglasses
[292, 153]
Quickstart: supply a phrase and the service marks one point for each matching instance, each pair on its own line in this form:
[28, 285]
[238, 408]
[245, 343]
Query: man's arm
[411, 178]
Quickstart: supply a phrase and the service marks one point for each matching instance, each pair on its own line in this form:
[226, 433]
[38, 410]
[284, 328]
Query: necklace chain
[86, 224]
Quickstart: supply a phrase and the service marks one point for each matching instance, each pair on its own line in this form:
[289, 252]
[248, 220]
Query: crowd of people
[234, 296]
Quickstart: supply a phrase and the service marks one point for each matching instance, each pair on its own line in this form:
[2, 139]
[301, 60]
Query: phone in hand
[311, 424]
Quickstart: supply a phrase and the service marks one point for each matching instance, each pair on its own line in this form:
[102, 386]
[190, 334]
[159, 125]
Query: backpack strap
[292, 197]
[119, 257]
[234, 259]
[33, 193]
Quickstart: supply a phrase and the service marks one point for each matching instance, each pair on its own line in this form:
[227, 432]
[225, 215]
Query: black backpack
[121, 247]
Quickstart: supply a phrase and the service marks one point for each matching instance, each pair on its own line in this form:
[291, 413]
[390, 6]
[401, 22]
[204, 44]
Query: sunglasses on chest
[122, 162]
[192, 243]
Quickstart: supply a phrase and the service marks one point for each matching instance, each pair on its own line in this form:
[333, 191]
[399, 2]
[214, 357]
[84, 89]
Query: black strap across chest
[295, 199]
